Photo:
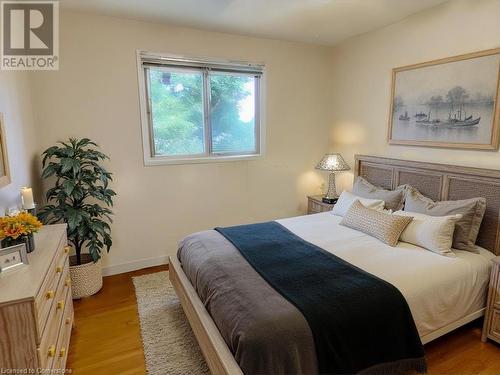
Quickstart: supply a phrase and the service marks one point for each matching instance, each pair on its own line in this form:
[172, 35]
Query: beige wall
[317, 98]
[15, 105]
[95, 94]
[362, 76]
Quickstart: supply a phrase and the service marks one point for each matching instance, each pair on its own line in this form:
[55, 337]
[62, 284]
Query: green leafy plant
[81, 196]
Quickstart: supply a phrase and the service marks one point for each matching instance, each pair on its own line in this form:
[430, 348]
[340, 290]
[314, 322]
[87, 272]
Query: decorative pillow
[466, 228]
[434, 233]
[346, 200]
[393, 199]
[385, 227]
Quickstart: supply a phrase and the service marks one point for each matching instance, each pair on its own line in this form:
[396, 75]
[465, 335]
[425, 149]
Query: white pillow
[434, 233]
[346, 200]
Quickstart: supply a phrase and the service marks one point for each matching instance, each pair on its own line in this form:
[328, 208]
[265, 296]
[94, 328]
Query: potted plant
[19, 228]
[81, 198]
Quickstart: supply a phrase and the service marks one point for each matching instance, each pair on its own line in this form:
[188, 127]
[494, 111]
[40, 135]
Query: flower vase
[8, 241]
[30, 243]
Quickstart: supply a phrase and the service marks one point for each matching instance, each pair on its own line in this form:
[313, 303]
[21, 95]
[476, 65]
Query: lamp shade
[333, 162]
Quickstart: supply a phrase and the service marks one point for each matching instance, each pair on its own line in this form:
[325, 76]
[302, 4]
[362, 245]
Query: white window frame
[207, 157]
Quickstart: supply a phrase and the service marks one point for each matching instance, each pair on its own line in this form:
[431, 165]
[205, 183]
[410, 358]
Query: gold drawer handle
[68, 281]
[59, 269]
[60, 305]
[62, 352]
[52, 351]
[50, 294]
[68, 320]
[66, 249]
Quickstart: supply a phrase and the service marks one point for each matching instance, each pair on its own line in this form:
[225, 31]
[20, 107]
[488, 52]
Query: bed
[442, 293]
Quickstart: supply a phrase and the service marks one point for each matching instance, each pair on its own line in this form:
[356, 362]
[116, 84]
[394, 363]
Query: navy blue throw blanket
[359, 322]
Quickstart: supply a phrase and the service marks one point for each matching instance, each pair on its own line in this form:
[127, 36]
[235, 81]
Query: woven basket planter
[86, 279]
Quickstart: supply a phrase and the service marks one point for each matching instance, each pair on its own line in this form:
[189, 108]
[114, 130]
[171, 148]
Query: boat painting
[447, 103]
[404, 117]
[451, 122]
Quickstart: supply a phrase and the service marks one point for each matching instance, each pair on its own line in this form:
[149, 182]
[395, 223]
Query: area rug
[170, 347]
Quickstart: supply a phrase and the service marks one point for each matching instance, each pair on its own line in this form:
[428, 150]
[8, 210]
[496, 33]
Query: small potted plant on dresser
[81, 198]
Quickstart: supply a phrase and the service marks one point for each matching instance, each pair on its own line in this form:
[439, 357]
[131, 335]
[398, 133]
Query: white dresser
[36, 309]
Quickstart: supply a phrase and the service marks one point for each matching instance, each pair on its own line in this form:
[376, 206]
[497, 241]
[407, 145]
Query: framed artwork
[4, 160]
[13, 257]
[451, 102]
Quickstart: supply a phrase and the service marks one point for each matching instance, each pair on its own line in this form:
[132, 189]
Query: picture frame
[449, 103]
[12, 257]
[4, 157]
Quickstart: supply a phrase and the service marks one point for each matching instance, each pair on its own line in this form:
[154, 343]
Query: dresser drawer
[64, 335]
[315, 207]
[47, 293]
[47, 351]
[495, 325]
[491, 328]
[45, 299]
[496, 288]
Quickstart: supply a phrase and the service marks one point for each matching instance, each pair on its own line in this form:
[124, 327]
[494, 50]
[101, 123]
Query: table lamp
[332, 163]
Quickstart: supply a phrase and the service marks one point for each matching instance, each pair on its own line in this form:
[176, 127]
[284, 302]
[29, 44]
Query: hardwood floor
[107, 338]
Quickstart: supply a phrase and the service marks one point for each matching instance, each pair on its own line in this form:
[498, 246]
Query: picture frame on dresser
[12, 257]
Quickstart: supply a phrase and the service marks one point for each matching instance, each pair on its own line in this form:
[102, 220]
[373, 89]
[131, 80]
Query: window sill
[149, 162]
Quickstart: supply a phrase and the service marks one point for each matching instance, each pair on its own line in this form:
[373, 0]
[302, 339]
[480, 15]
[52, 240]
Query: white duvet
[439, 290]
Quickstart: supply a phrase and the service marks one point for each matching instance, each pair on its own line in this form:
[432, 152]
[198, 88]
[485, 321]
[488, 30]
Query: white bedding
[439, 290]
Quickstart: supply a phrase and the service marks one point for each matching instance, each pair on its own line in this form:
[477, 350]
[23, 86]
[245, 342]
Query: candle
[27, 198]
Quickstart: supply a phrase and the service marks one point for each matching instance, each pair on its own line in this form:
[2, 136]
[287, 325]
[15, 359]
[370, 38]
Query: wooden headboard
[441, 182]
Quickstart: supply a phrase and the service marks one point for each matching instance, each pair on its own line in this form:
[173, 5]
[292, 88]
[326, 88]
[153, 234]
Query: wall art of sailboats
[453, 102]
[455, 120]
[404, 117]
[457, 117]
[427, 120]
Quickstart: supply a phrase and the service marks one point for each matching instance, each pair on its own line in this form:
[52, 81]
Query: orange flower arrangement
[22, 224]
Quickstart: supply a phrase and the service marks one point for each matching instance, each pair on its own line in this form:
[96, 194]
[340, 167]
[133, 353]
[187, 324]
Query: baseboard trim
[135, 265]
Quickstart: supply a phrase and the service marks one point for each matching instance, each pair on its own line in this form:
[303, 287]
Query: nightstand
[315, 205]
[491, 328]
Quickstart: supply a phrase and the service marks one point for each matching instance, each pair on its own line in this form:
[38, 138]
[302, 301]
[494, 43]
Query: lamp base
[329, 200]
[331, 196]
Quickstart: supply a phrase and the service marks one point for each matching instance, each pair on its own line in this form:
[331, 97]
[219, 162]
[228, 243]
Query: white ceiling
[316, 21]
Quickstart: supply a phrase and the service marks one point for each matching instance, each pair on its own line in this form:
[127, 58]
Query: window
[195, 110]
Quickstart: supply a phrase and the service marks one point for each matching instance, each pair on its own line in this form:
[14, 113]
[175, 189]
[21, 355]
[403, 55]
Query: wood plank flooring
[107, 338]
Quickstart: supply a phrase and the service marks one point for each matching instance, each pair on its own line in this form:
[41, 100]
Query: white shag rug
[169, 344]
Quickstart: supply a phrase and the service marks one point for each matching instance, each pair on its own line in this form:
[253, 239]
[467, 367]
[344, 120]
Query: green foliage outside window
[178, 112]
